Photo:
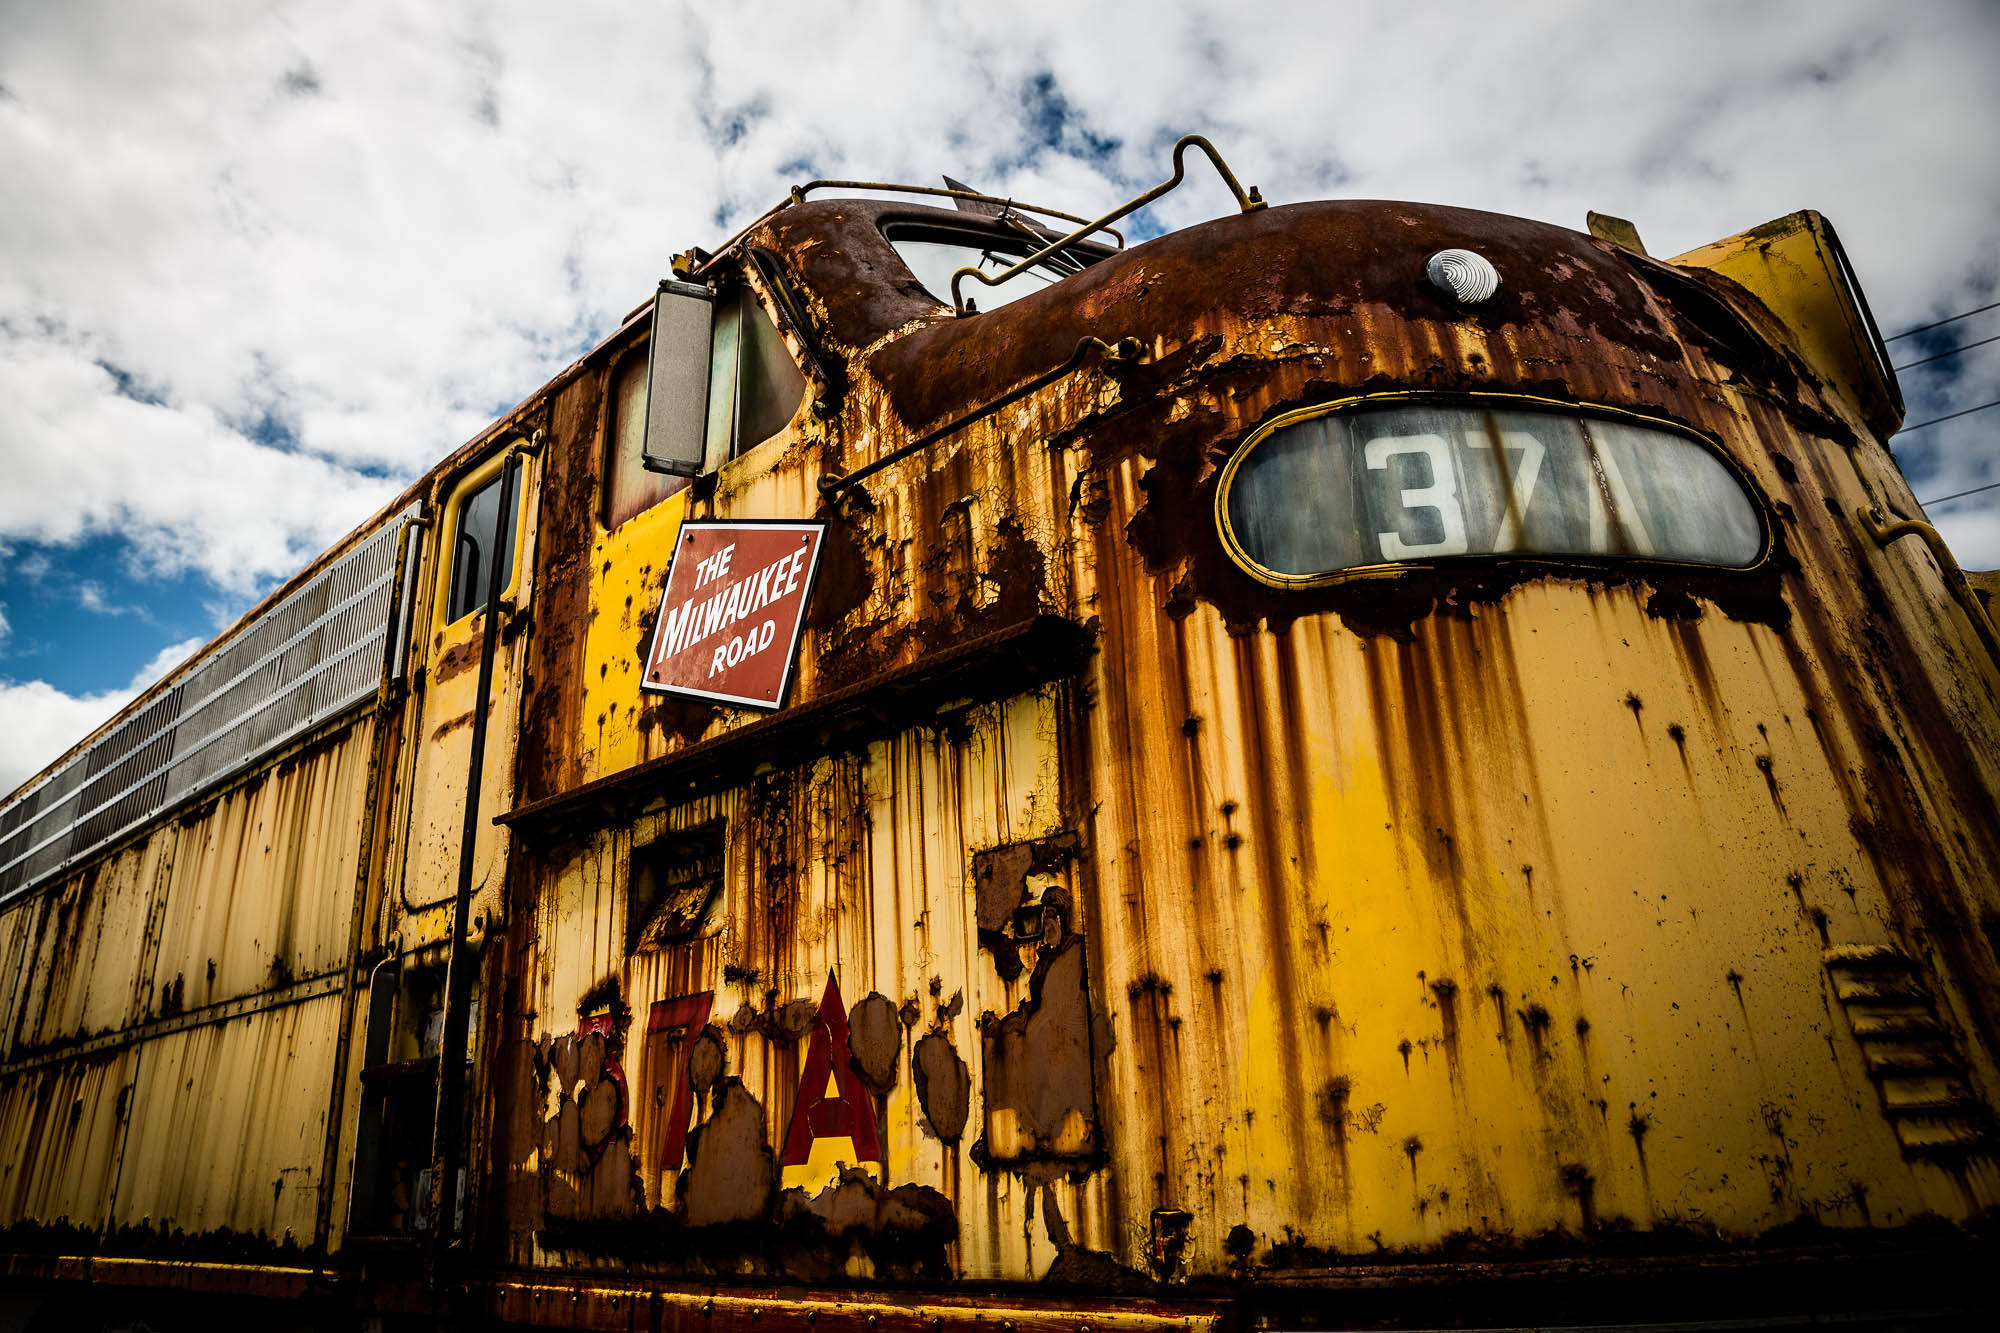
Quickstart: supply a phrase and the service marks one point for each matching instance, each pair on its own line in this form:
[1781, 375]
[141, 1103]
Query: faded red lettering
[851, 1115]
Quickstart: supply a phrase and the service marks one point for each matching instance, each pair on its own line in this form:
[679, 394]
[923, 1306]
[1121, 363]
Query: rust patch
[734, 1171]
[458, 659]
[944, 1085]
[875, 1042]
[1039, 1090]
[1079, 1266]
[451, 724]
[1000, 882]
[903, 1232]
[587, 1169]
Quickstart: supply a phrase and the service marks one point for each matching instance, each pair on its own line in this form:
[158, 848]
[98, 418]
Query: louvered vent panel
[315, 653]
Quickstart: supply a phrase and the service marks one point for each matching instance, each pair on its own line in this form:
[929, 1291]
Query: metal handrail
[1876, 525]
[1126, 351]
[1249, 202]
[695, 269]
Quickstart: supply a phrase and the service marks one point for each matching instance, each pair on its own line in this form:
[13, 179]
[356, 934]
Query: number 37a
[1441, 495]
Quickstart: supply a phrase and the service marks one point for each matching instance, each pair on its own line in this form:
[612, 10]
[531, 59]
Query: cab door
[470, 535]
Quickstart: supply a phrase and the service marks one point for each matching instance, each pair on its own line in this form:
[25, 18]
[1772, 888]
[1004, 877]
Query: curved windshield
[1386, 484]
[933, 254]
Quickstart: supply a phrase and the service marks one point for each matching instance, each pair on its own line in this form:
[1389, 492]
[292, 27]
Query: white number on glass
[1613, 501]
[1523, 476]
[1441, 496]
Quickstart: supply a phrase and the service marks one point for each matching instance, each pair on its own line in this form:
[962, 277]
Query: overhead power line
[1991, 485]
[1926, 360]
[1949, 416]
[1949, 319]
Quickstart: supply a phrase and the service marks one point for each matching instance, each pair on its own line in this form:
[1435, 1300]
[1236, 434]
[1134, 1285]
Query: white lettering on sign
[713, 568]
[743, 646]
[732, 611]
[696, 619]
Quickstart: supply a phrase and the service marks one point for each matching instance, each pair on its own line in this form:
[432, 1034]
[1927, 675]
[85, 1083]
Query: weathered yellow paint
[183, 1114]
[1790, 264]
[1551, 902]
[442, 740]
[628, 569]
[1518, 924]
[228, 1125]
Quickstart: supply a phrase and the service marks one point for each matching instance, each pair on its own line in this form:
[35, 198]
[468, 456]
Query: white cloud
[267, 260]
[5, 628]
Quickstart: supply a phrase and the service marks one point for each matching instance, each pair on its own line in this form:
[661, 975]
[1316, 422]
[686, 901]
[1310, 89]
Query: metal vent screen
[315, 653]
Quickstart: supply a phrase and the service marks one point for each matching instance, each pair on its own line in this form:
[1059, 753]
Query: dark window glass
[630, 489]
[1383, 485]
[481, 538]
[754, 386]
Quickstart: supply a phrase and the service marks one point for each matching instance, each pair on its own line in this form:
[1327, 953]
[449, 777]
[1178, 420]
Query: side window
[753, 390]
[629, 488]
[933, 254]
[754, 387]
[672, 887]
[479, 537]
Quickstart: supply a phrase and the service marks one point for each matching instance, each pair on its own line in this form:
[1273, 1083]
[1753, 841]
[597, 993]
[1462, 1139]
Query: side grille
[1910, 1056]
[313, 654]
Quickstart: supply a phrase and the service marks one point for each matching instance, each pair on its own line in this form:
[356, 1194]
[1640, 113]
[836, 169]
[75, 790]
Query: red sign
[732, 611]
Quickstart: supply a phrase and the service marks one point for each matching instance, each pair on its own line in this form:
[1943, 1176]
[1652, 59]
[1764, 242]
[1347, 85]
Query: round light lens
[1463, 276]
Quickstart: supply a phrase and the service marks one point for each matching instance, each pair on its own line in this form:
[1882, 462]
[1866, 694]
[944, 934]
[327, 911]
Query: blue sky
[265, 261]
[82, 616]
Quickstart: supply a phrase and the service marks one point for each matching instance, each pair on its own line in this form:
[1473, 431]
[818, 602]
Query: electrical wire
[1949, 416]
[1956, 495]
[1949, 319]
[1924, 361]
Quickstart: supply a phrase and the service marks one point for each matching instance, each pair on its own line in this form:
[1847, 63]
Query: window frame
[726, 441]
[1241, 558]
[474, 481]
[636, 352]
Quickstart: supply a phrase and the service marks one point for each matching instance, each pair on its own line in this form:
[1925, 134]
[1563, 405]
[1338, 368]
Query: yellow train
[1355, 764]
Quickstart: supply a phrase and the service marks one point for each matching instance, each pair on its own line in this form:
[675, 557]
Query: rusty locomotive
[1357, 763]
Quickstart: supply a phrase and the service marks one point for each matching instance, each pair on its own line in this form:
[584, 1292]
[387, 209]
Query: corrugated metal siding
[856, 866]
[246, 902]
[263, 882]
[227, 1125]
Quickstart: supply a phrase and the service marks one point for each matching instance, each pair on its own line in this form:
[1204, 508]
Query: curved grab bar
[1249, 202]
[1884, 532]
[692, 266]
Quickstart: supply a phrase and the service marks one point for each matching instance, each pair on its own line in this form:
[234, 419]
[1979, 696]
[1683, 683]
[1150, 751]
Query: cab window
[933, 254]
[754, 391]
[479, 539]
[754, 386]
[1321, 492]
[630, 487]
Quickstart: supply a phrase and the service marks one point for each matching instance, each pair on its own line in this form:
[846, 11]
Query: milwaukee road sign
[730, 617]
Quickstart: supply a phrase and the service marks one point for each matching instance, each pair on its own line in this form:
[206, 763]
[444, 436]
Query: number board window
[1394, 483]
